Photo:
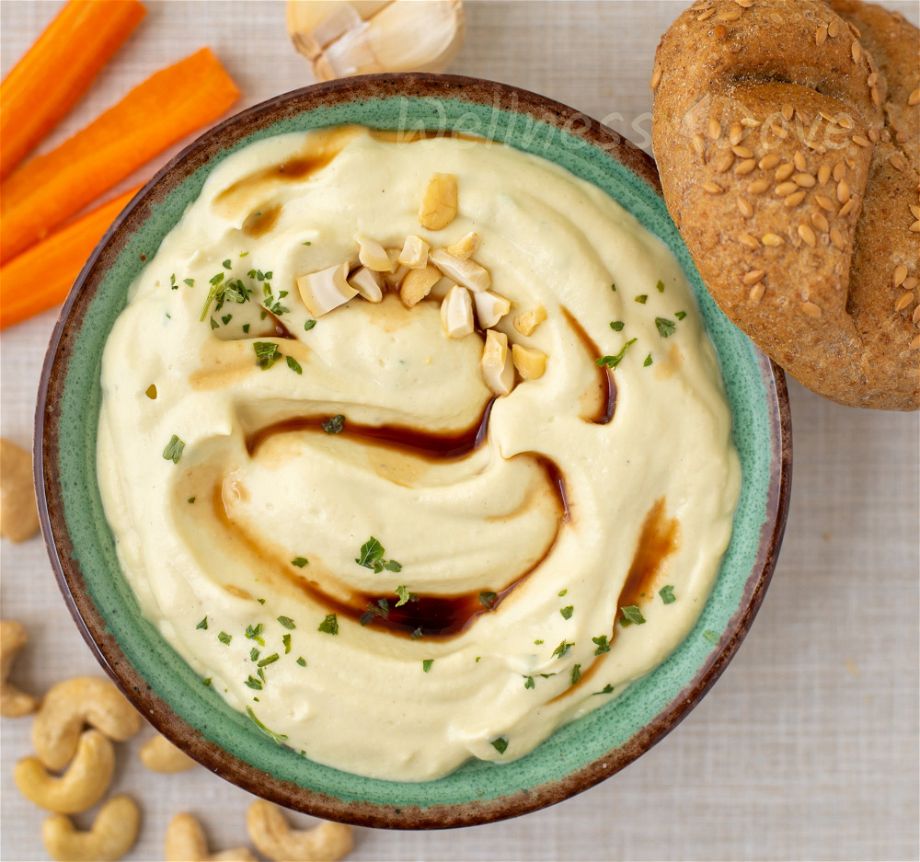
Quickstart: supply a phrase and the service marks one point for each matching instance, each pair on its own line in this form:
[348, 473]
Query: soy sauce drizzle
[606, 382]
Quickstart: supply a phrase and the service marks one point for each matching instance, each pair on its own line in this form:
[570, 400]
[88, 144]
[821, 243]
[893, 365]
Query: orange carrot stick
[57, 70]
[42, 276]
[164, 109]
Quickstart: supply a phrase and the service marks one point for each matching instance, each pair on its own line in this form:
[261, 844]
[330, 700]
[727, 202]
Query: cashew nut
[13, 702]
[80, 787]
[186, 842]
[160, 755]
[71, 704]
[112, 835]
[18, 513]
[274, 838]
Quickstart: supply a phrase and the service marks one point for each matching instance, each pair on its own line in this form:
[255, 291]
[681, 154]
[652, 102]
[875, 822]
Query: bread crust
[787, 135]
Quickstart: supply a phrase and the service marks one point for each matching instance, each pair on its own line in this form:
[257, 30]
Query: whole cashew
[186, 842]
[273, 837]
[71, 704]
[112, 835]
[80, 787]
[160, 755]
[18, 514]
[13, 702]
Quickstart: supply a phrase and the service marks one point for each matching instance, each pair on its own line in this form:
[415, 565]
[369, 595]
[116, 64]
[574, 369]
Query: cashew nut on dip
[18, 514]
[113, 834]
[186, 842]
[420, 428]
[160, 755]
[272, 834]
[70, 705]
[13, 702]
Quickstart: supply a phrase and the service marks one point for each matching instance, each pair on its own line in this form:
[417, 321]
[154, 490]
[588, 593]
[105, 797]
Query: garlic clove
[326, 289]
[530, 363]
[417, 285]
[373, 255]
[401, 36]
[490, 308]
[466, 272]
[457, 313]
[367, 283]
[497, 368]
[414, 253]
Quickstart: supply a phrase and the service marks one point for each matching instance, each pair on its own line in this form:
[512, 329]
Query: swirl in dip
[393, 549]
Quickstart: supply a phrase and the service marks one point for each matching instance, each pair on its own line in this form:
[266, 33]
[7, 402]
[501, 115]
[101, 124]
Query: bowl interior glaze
[164, 687]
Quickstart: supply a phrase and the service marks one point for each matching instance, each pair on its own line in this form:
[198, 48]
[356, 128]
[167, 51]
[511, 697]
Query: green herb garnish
[567, 612]
[642, 298]
[660, 286]
[334, 425]
[287, 622]
[680, 315]
[607, 689]
[632, 614]
[309, 324]
[426, 664]
[267, 354]
[576, 673]
[329, 625]
[711, 636]
[603, 645]
[665, 327]
[500, 744]
[563, 648]
[254, 633]
[402, 591]
[269, 660]
[667, 594]
[224, 638]
[286, 640]
[302, 661]
[300, 562]
[648, 361]
[173, 450]
[488, 599]
[371, 557]
[529, 683]
[293, 364]
[615, 360]
[617, 325]
[203, 624]
[278, 737]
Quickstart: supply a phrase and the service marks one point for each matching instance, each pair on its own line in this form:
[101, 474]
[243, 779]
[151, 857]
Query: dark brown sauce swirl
[606, 385]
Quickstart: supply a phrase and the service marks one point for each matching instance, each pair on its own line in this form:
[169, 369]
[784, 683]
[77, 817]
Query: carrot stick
[170, 104]
[57, 70]
[42, 276]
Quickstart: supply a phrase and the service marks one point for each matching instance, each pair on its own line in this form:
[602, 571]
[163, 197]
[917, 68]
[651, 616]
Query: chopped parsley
[286, 640]
[173, 450]
[287, 622]
[660, 286]
[500, 744]
[301, 661]
[293, 364]
[224, 638]
[567, 612]
[203, 624]
[380, 609]
[426, 664]
[602, 644]
[617, 325]
[631, 614]
[402, 591]
[300, 562]
[711, 636]
[335, 424]
[563, 648]
[665, 327]
[616, 359]
[190, 500]
[206, 681]
[246, 328]
[254, 633]
[225, 319]
[680, 315]
[278, 737]
[416, 633]
[562, 592]
[529, 683]
[253, 653]
[329, 625]
[190, 282]
[648, 361]
[667, 594]
[371, 557]
[642, 298]
[173, 285]
[228, 264]
[488, 599]
[267, 354]
[538, 641]
[607, 689]
[269, 660]
[613, 286]
[576, 673]
[308, 324]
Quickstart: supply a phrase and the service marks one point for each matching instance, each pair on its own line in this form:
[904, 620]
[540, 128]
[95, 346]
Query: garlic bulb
[356, 37]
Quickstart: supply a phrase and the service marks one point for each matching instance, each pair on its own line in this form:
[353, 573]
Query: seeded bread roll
[788, 142]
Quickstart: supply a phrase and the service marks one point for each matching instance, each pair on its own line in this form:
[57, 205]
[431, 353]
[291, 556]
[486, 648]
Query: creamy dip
[532, 554]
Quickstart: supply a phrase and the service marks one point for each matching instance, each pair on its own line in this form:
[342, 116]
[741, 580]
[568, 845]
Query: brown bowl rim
[91, 623]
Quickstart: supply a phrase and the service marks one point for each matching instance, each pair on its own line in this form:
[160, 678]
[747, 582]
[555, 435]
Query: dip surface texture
[337, 523]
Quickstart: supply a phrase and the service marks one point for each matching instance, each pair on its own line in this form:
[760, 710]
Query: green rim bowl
[166, 690]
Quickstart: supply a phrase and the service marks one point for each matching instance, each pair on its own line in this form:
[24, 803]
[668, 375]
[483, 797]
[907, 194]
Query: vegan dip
[415, 448]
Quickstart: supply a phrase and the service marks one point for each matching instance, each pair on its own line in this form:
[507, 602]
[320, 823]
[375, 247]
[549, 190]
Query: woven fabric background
[807, 748]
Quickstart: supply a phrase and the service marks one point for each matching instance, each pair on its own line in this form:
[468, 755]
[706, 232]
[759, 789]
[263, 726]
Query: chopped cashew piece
[158, 754]
[414, 252]
[457, 313]
[80, 787]
[439, 202]
[465, 247]
[527, 322]
[113, 834]
[367, 283]
[13, 702]
[441, 288]
[326, 289]
[18, 513]
[530, 364]
[373, 255]
[466, 272]
[490, 308]
[497, 370]
[417, 285]
[186, 842]
[71, 704]
[398, 273]
[274, 838]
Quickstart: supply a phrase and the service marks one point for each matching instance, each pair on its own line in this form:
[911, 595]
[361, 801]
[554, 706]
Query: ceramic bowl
[159, 683]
